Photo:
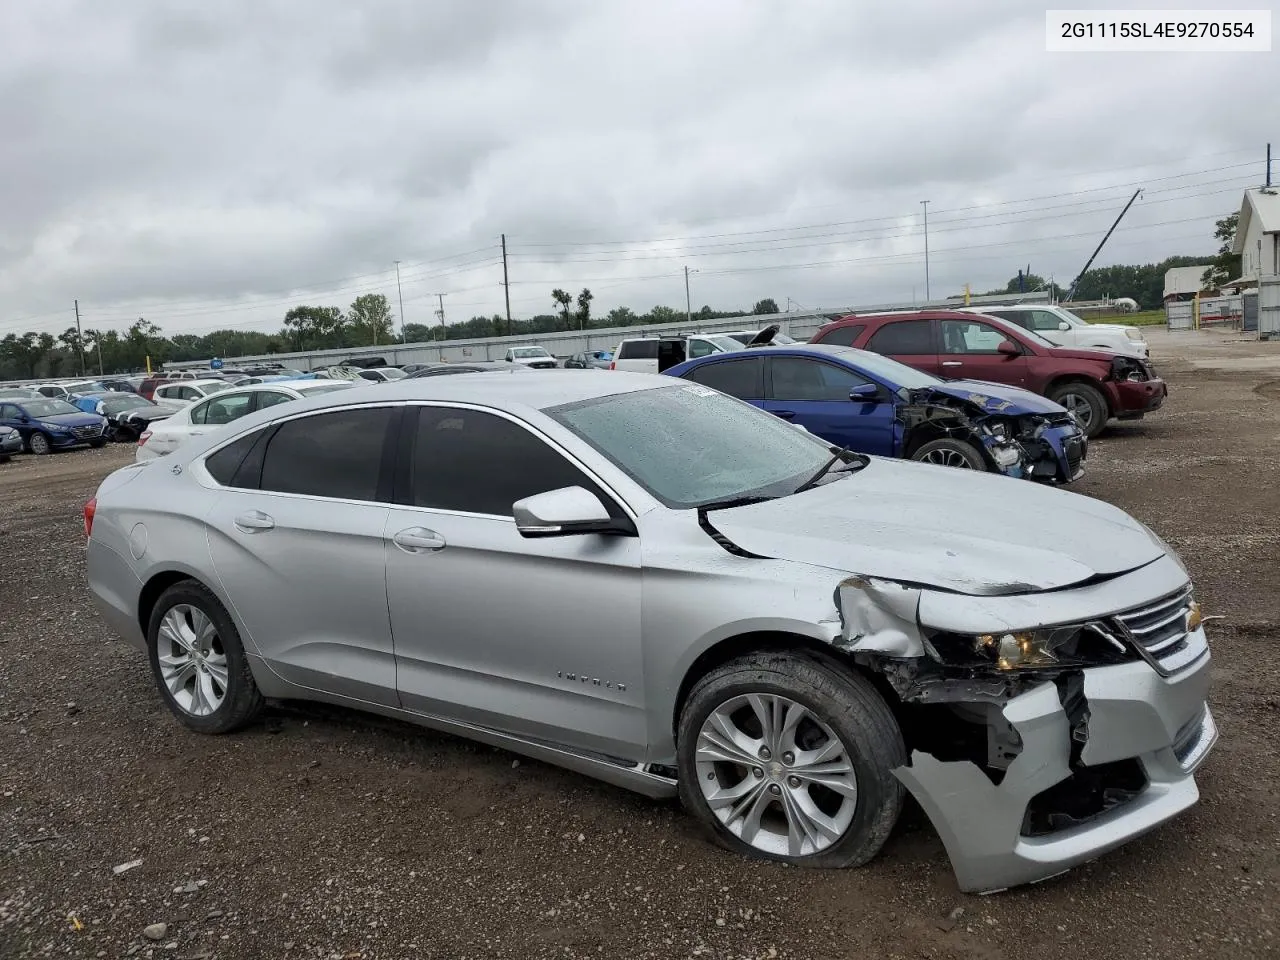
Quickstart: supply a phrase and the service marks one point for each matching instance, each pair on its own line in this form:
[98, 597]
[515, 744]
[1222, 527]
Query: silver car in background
[796, 635]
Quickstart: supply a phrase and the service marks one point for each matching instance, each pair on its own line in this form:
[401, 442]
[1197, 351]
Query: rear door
[815, 394]
[912, 342]
[299, 550]
[970, 351]
[742, 378]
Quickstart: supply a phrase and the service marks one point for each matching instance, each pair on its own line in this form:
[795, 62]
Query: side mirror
[566, 512]
[1063, 325]
[1009, 348]
[865, 393]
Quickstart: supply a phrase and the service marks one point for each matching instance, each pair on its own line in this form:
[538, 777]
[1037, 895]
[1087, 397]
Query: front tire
[97, 444]
[785, 757]
[199, 663]
[39, 444]
[950, 453]
[1085, 402]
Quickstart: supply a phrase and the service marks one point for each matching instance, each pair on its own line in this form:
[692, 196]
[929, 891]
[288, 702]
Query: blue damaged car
[48, 424]
[872, 404]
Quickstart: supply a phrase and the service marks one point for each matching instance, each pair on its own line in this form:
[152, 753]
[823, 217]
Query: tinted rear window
[842, 336]
[903, 337]
[639, 350]
[743, 379]
[335, 454]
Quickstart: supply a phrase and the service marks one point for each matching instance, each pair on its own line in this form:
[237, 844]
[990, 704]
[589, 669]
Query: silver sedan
[789, 637]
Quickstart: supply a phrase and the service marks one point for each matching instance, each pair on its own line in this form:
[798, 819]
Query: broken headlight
[1073, 645]
[998, 430]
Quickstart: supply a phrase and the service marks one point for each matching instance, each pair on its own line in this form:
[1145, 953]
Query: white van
[655, 354]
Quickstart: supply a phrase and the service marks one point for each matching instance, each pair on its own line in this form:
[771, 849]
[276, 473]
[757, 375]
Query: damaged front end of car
[1042, 730]
[1047, 447]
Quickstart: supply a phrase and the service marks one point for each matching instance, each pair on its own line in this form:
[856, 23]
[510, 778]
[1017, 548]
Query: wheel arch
[1064, 379]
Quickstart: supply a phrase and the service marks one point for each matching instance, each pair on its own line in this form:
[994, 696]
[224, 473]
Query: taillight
[90, 509]
[613, 365]
[144, 437]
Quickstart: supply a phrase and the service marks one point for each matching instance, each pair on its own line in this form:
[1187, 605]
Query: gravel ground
[327, 834]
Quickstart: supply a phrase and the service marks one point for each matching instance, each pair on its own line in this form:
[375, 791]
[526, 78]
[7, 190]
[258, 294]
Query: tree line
[369, 321]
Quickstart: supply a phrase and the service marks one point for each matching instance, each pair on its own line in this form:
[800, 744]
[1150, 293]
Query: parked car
[656, 354]
[797, 636]
[589, 360]
[213, 412]
[466, 366]
[50, 424]
[363, 363]
[184, 392]
[10, 443]
[1094, 385]
[147, 388]
[536, 358]
[382, 374]
[118, 385]
[127, 414]
[872, 404]
[1063, 328]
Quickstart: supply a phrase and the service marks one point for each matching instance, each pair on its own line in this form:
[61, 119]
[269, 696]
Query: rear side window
[903, 337]
[478, 462]
[335, 454]
[842, 336]
[639, 350]
[743, 379]
[238, 464]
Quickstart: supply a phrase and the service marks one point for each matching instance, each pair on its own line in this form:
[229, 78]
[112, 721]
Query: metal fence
[1269, 307]
[1180, 316]
[800, 325]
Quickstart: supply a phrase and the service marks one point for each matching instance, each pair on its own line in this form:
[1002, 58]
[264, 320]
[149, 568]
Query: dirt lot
[322, 834]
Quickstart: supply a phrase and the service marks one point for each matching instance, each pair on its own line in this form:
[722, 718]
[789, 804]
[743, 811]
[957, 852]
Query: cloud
[211, 164]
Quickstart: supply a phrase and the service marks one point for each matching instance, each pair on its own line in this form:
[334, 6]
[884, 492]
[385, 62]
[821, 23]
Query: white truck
[535, 358]
[1063, 328]
[655, 354]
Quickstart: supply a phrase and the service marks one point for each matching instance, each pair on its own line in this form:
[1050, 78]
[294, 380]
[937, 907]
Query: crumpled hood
[957, 530]
[998, 398]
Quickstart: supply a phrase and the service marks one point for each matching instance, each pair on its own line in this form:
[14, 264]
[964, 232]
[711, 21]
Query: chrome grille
[1075, 453]
[1158, 632]
[89, 431]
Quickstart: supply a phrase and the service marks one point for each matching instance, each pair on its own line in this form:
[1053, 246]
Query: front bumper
[1159, 726]
[1134, 398]
[11, 443]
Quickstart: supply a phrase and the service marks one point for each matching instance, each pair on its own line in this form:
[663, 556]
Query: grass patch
[1147, 318]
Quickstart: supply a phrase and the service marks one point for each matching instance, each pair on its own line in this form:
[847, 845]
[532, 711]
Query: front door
[302, 556]
[815, 394]
[535, 637]
[971, 351]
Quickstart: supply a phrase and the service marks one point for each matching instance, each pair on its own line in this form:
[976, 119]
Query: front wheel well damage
[1070, 378]
[770, 642]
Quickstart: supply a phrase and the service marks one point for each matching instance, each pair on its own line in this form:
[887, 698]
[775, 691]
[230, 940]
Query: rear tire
[767, 794]
[1086, 402]
[199, 663]
[951, 453]
[39, 444]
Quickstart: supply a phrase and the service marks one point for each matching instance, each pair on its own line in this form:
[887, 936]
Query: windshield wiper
[732, 502]
[841, 454]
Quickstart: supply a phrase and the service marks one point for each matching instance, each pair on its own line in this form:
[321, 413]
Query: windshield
[529, 352]
[49, 408]
[1070, 317]
[85, 386]
[724, 342]
[391, 373]
[690, 445]
[126, 401]
[889, 369]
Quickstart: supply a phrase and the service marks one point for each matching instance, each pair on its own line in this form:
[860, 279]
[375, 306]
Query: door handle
[951, 363]
[197, 433]
[784, 414]
[418, 540]
[253, 521]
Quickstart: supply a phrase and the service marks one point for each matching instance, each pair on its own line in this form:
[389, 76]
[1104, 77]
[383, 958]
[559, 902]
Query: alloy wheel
[776, 776]
[192, 661]
[946, 458]
[1079, 408]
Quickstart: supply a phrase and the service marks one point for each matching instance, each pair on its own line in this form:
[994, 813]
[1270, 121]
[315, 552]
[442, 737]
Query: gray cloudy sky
[209, 165]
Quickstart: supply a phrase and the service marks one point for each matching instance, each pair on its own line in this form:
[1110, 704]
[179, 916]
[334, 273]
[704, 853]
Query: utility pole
[401, 293]
[1268, 166]
[506, 285]
[440, 313]
[688, 305]
[925, 204]
[79, 339]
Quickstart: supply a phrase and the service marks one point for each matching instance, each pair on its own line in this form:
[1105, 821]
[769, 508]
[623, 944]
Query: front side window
[701, 348]
[336, 454]
[971, 337]
[1044, 320]
[903, 338]
[795, 378]
[727, 449]
[743, 379]
[478, 462]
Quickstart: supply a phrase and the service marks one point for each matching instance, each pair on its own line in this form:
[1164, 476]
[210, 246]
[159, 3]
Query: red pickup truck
[1095, 385]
